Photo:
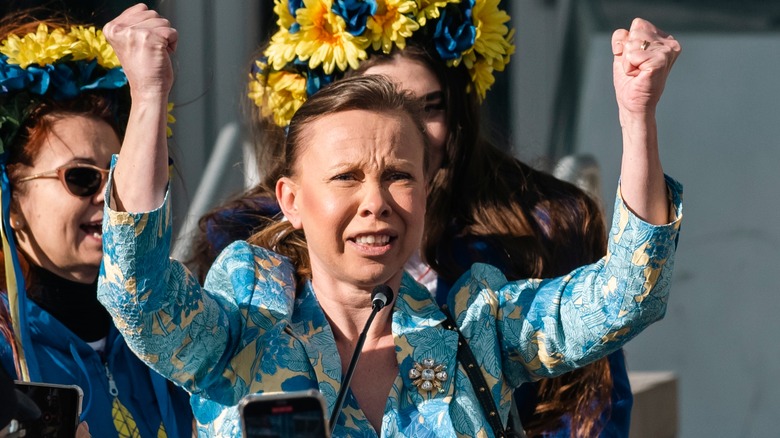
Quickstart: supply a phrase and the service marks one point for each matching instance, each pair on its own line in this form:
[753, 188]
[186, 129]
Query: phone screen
[288, 415]
[60, 407]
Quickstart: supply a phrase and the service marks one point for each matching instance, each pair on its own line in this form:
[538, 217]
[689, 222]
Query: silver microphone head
[381, 295]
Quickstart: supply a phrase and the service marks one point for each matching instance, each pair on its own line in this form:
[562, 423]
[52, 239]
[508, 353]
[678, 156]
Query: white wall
[719, 123]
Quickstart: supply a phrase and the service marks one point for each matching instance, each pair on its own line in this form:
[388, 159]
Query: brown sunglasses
[81, 179]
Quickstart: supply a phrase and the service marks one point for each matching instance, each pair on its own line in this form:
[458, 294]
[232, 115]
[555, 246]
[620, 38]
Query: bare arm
[644, 56]
[143, 42]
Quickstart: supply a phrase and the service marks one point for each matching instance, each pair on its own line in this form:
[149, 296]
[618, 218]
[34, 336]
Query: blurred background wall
[719, 131]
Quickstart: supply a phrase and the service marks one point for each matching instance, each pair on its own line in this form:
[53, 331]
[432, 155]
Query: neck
[73, 304]
[348, 307]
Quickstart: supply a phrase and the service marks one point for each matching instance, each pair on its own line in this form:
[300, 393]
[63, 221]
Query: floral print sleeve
[549, 327]
[191, 335]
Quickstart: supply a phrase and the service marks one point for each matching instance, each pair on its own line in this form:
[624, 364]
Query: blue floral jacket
[248, 331]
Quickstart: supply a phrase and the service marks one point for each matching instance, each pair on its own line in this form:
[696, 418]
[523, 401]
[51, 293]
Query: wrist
[631, 120]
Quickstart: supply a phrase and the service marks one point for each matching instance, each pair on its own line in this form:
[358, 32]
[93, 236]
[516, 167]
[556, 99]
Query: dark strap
[470, 364]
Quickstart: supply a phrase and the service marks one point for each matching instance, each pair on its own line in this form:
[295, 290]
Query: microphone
[380, 297]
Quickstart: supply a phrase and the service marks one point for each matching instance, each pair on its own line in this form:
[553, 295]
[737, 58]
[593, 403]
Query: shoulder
[252, 274]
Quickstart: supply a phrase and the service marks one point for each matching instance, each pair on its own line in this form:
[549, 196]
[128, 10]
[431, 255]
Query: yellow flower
[91, 44]
[391, 24]
[281, 50]
[170, 120]
[481, 73]
[257, 88]
[491, 41]
[283, 12]
[278, 94]
[288, 94]
[325, 40]
[40, 47]
[430, 9]
[500, 63]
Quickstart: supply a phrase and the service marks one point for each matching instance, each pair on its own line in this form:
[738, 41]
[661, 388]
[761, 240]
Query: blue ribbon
[21, 290]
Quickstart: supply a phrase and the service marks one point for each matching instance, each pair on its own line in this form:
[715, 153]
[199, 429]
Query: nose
[375, 201]
[100, 196]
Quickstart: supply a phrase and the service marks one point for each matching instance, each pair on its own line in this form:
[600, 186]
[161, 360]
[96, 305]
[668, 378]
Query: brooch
[428, 375]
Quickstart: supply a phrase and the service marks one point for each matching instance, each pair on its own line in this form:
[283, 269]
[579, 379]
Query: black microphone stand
[380, 296]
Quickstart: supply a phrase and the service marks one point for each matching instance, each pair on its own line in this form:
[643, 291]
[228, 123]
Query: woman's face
[421, 81]
[55, 229]
[358, 191]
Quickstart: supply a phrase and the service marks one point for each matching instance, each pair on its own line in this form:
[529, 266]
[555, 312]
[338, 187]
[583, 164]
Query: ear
[286, 195]
[17, 221]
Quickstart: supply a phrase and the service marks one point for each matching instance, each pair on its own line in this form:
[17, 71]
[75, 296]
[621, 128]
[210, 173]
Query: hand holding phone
[60, 407]
[298, 414]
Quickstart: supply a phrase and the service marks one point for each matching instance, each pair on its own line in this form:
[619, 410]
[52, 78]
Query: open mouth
[373, 240]
[94, 229]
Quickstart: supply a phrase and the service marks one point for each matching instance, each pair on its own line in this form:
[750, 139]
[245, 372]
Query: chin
[379, 278]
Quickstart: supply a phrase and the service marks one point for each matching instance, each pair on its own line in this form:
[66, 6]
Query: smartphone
[297, 414]
[60, 407]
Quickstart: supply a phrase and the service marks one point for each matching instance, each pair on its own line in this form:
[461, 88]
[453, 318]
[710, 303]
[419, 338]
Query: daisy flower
[491, 42]
[282, 48]
[430, 9]
[392, 23]
[40, 47]
[325, 39]
[286, 16]
[280, 94]
[170, 121]
[91, 44]
[482, 78]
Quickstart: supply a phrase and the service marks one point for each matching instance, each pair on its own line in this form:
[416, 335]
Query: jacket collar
[419, 334]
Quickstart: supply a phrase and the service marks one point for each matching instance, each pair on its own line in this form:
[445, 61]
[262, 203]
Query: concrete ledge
[655, 411]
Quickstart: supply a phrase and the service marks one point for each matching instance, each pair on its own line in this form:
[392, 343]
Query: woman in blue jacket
[353, 181]
[483, 206]
[64, 106]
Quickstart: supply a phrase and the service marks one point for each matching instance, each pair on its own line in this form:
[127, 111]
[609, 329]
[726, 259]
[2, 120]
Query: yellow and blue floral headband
[318, 40]
[48, 64]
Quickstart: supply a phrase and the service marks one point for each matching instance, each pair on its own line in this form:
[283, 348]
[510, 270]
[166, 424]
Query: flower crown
[58, 64]
[318, 40]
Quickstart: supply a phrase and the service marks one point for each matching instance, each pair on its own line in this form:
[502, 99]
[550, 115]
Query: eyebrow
[434, 95]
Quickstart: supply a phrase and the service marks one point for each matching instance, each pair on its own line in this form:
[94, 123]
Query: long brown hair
[369, 93]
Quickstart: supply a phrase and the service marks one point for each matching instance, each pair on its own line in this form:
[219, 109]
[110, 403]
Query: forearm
[642, 179]
[143, 42]
[554, 326]
[156, 304]
[141, 173]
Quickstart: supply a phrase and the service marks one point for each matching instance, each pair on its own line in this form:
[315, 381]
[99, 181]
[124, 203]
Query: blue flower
[63, 82]
[41, 79]
[355, 13]
[107, 80]
[12, 77]
[294, 5]
[315, 80]
[455, 30]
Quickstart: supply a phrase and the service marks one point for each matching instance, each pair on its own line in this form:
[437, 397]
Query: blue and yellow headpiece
[318, 40]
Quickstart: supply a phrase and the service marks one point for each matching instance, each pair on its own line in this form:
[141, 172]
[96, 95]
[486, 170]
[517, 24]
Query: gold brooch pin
[428, 376]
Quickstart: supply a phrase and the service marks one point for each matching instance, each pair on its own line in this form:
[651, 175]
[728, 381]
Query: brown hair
[368, 93]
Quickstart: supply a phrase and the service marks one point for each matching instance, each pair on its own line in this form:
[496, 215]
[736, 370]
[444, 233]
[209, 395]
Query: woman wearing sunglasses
[63, 107]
